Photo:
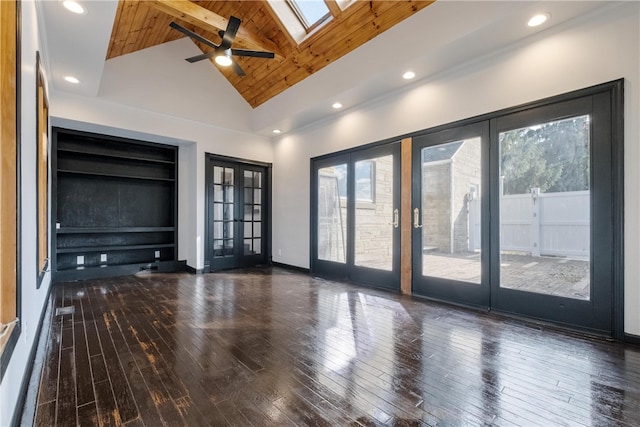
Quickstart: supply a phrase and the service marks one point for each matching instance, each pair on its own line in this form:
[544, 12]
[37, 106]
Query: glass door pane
[545, 208]
[223, 212]
[252, 188]
[332, 213]
[374, 218]
[451, 182]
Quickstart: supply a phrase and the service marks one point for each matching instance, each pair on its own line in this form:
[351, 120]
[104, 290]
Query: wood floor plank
[45, 414]
[88, 415]
[143, 397]
[48, 389]
[126, 406]
[266, 346]
[84, 378]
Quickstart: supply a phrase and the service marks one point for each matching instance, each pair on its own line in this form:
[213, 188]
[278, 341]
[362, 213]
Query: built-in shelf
[99, 230]
[114, 175]
[89, 249]
[114, 156]
[113, 196]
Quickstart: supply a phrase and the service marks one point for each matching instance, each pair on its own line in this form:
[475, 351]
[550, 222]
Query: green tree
[553, 156]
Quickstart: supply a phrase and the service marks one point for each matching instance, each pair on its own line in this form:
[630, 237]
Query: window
[310, 13]
[364, 176]
[303, 17]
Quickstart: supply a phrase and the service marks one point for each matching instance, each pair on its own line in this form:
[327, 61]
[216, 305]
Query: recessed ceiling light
[277, 131]
[72, 79]
[74, 7]
[337, 105]
[408, 75]
[538, 19]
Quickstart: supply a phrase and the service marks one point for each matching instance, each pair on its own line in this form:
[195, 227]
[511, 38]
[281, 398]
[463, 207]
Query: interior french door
[450, 206]
[356, 217]
[236, 214]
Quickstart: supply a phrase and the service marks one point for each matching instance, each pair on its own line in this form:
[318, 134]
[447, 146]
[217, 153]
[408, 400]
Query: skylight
[310, 12]
[301, 18]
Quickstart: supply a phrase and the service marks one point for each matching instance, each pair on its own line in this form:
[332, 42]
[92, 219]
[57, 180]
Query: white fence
[540, 223]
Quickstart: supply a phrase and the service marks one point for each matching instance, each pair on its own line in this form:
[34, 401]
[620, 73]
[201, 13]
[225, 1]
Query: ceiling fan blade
[201, 57]
[238, 69]
[253, 53]
[230, 33]
[191, 34]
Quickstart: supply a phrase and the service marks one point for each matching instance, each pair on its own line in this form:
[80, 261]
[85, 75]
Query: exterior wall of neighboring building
[374, 232]
[436, 206]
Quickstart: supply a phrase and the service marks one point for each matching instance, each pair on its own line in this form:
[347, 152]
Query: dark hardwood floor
[269, 347]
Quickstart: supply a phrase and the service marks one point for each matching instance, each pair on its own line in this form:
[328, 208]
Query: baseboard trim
[45, 316]
[632, 339]
[193, 270]
[291, 267]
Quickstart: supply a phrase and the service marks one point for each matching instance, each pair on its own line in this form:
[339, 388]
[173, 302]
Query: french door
[450, 206]
[356, 217]
[236, 227]
[552, 176]
[517, 213]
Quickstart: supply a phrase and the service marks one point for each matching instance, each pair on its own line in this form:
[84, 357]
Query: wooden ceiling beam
[210, 21]
[333, 7]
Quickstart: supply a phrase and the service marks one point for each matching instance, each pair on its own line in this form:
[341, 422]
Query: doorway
[516, 213]
[356, 216]
[237, 218]
[450, 236]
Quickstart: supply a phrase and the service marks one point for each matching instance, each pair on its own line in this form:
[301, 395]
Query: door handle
[416, 218]
[396, 218]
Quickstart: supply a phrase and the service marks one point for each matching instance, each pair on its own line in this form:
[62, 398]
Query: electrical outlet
[103, 257]
[157, 254]
[80, 260]
[279, 252]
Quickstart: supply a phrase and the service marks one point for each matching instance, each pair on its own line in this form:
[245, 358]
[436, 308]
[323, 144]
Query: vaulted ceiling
[142, 24]
[126, 56]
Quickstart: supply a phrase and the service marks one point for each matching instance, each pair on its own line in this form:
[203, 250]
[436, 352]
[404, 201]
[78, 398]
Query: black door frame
[240, 260]
[389, 280]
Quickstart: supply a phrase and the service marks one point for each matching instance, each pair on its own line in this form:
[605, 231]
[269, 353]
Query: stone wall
[374, 232]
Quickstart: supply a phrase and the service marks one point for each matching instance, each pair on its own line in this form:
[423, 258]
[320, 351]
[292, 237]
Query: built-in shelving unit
[115, 205]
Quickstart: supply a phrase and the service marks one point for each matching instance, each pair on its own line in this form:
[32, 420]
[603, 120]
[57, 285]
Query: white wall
[585, 52]
[32, 299]
[193, 138]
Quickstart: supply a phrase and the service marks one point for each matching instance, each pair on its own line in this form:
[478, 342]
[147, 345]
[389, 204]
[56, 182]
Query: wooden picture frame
[10, 107]
[42, 171]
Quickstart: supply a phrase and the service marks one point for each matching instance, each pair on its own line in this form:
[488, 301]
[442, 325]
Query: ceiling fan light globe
[223, 60]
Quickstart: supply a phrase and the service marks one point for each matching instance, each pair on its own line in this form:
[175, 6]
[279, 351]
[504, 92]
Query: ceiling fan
[223, 52]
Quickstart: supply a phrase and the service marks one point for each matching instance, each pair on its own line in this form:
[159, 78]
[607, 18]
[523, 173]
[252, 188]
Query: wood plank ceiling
[141, 24]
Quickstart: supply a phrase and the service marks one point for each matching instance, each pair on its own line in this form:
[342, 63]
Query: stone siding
[374, 232]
